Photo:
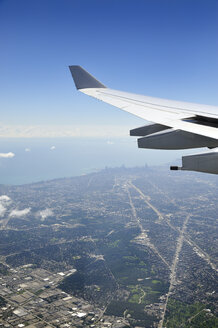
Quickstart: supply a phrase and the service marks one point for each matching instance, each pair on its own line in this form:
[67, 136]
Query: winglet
[84, 80]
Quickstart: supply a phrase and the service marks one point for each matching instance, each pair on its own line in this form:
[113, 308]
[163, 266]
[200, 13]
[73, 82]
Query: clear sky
[162, 48]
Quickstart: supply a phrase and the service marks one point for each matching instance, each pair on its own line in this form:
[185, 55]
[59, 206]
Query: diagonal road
[195, 247]
[143, 238]
[183, 236]
[173, 268]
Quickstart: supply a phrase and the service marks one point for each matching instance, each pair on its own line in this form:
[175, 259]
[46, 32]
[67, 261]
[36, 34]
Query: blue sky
[160, 48]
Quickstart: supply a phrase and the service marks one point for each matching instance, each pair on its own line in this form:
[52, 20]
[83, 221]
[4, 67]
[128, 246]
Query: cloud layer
[51, 131]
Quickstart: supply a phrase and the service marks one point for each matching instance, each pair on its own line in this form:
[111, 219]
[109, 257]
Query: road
[143, 238]
[183, 236]
[187, 238]
[173, 267]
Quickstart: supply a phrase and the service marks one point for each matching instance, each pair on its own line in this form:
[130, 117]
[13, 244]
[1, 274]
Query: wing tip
[83, 79]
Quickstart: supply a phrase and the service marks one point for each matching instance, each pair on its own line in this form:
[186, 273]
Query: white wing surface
[161, 111]
[178, 125]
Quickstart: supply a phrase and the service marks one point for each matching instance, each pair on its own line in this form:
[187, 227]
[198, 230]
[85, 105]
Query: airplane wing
[177, 125]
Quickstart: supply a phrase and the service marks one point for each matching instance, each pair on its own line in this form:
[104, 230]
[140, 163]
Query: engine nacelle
[176, 139]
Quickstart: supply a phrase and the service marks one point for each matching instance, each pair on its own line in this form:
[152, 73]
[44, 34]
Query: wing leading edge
[177, 125]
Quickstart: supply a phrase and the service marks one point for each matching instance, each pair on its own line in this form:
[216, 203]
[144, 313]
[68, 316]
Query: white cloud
[5, 198]
[110, 142]
[45, 213]
[4, 202]
[7, 155]
[27, 149]
[2, 210]
[19, 213]
[52, 148]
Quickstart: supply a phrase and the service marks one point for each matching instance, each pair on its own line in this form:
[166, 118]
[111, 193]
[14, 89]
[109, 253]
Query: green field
[181, 315]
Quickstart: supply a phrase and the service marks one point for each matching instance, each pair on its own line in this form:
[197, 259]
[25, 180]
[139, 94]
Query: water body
[45, 159]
